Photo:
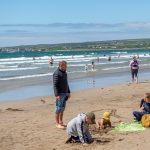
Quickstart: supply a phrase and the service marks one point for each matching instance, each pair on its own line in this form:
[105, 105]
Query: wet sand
[29, 124]
[32, 87]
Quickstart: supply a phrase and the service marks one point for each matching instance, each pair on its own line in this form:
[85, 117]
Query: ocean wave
[27, 76]
[119, 52]
[13, 69]
[114, 68]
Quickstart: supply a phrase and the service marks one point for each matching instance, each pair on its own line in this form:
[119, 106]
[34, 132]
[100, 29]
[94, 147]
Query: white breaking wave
[82, 71]
[113, 68]
[27, 76]
[119, 62]
[119, 52]
[13, 69]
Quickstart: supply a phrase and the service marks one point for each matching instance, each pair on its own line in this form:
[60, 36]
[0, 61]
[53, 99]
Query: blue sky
[24, 22]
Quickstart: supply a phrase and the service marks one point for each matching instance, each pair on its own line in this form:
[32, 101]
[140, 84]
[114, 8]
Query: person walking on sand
[134, 69]
[61, 91]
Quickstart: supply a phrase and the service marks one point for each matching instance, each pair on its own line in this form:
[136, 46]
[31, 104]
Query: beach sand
[30, 124]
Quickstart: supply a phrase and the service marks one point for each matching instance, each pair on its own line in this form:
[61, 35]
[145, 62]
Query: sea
[19, 69]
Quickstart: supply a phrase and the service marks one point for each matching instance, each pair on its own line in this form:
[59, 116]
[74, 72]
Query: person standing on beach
[86, 67]
[92, 65]
[61, 91]
[134, 69]
[109, 58]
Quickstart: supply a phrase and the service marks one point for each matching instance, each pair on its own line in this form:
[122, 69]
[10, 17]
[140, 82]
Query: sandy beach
[81, 56]
[29, 124]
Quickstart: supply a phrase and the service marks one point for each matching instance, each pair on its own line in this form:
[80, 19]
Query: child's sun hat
[106, 115]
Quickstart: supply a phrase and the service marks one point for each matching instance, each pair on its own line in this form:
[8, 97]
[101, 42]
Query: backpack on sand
[145, 120]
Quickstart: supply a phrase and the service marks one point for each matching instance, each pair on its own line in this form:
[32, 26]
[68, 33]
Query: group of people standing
[92, 66]
[134, 65]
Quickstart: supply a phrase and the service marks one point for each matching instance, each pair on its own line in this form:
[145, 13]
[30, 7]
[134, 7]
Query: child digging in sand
[104, 122]
[78, 128]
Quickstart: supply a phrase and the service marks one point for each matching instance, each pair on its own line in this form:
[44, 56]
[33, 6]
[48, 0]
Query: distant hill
[112, 44]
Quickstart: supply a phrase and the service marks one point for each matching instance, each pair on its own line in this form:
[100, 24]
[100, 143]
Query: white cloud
[70, 32]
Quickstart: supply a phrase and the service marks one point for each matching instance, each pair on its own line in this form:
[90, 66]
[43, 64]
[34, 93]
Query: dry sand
[30, 124]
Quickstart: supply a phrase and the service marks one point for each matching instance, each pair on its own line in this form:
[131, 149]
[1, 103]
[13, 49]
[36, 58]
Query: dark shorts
[134, 72]
[61, 103]
[138, 115]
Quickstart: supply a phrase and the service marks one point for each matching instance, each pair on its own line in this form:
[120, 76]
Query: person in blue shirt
[144, 107]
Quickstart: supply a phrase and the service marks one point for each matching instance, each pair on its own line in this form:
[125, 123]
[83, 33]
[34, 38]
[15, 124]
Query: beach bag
[145, 120]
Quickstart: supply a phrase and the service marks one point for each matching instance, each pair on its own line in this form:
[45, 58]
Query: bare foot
[60, 126]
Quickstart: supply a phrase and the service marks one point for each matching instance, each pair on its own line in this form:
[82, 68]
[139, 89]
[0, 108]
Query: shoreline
[45, 87]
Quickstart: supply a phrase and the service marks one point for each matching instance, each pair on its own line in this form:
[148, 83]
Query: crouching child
[104, 122]
[78, 128]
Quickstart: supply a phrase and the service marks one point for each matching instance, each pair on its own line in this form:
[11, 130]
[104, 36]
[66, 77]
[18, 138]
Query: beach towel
[129, 127]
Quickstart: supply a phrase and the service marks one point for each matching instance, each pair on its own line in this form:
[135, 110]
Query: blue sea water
[73, 53]
[26, 68]
[20, 65]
